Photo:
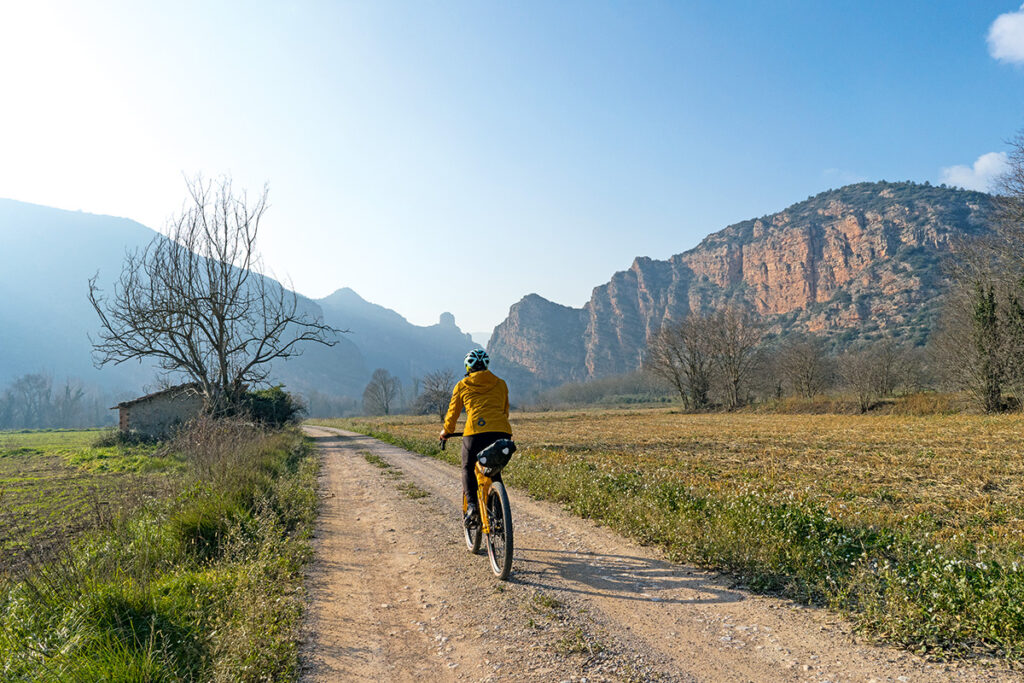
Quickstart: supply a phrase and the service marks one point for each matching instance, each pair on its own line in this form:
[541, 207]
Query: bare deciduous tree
[681, 354]
[1010, 189]
[805, 366]
[888, 358]
[900, 368]
[197, 303]
[437, 392]
[980, 344]
[67, 404]
[30, 398]
[859, 369]
[734, 336]
[381, 392]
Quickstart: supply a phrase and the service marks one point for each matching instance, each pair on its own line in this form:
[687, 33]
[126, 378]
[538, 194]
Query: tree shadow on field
[620, 577]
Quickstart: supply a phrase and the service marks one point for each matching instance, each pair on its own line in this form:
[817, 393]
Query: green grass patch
[411, 490]
[57, 484]
[575, 642]
[94, 450]
[546, 601]
[202, 585]
[376, 460]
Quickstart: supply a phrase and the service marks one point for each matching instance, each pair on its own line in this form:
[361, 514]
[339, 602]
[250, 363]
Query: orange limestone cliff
[846, 263]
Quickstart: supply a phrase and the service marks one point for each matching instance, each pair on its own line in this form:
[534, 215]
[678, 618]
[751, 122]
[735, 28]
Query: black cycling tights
[471, 446]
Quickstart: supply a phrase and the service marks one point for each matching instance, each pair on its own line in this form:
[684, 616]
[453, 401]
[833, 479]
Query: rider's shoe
[472, 518]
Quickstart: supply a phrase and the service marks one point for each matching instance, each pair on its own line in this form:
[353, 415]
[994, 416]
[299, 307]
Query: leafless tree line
[703, 352]
[724, 359]
[978, 347]
[32, 401]
[320, 404]
[431, 394]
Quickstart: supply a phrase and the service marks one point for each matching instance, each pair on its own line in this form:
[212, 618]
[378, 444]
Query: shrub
[273, 407]
[927, 403]
[203, 525]
[114, 437]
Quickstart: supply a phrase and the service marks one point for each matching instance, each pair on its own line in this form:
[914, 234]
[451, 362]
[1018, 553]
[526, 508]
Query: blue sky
[457, 155]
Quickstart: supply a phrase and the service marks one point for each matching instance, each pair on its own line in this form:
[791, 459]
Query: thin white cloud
[842, 176]
[980, 176]
[1006, 37]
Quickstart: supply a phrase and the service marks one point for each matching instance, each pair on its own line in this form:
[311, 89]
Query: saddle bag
[494, 458]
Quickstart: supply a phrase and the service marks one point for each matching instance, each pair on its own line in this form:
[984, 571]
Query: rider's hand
[444, 435]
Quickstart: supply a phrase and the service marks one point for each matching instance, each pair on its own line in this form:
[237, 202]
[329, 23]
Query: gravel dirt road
[395, 596]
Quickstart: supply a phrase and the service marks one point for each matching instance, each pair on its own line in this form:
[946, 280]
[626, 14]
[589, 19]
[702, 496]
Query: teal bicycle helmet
[477, 359]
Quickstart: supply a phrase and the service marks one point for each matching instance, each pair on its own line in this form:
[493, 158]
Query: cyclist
[484, 396]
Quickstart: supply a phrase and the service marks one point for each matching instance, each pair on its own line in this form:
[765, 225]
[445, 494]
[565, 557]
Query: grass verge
[204, 586]
[876, 517]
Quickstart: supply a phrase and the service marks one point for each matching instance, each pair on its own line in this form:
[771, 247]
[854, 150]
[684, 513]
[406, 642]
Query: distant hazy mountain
[849, 264]
[388, 340]
[46, 259]
[47, 256]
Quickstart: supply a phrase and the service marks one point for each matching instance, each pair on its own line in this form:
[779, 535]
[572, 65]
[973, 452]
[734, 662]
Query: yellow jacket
[484, 395]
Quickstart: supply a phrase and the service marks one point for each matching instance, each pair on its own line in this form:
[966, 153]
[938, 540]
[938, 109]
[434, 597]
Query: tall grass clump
[203, 586]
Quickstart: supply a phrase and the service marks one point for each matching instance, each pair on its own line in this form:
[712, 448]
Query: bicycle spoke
[499, 541]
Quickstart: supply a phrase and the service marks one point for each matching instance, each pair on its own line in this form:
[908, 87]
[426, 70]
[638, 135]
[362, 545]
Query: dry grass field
[913, 525]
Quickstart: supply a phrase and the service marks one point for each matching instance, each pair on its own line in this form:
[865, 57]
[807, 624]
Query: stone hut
[157, 415]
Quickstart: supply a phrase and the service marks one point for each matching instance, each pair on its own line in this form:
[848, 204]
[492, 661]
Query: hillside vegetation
[911, 525]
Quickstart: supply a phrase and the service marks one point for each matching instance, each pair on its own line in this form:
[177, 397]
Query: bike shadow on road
[620, 577]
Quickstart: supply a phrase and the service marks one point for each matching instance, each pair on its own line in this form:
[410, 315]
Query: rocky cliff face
[540, 341]
[848, 263]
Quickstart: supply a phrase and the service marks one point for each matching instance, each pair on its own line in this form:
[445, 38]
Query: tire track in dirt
[395, 595]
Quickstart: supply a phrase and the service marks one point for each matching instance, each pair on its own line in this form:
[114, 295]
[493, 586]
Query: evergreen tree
[988, 346]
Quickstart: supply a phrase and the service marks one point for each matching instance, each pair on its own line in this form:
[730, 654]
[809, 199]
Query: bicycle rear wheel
[472, 536]
[499, 541]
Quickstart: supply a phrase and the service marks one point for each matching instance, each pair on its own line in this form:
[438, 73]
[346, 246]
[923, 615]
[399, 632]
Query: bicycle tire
[471, 536]
[499, 541]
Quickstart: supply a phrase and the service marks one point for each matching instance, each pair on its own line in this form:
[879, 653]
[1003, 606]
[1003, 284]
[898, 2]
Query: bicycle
[495, 525]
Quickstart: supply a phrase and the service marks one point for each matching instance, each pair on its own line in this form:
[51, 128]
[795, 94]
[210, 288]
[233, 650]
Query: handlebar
[445, 440]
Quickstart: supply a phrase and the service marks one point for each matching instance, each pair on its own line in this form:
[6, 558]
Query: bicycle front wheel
[471, 535]
[499, 541]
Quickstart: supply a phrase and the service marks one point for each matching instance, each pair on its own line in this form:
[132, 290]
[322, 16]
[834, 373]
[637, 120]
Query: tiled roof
[175, 390]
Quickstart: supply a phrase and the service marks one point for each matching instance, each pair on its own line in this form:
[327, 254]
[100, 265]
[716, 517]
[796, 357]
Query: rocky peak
[538, 340]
